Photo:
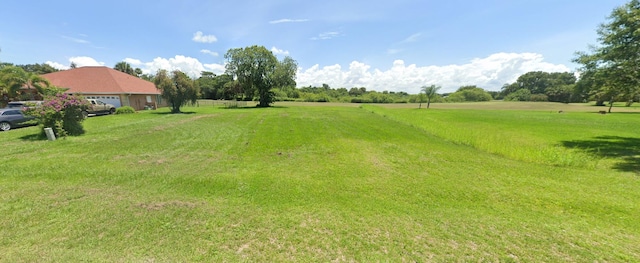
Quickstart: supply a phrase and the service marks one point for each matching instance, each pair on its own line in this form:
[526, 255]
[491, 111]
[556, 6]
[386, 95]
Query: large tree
[430, 92]
[177, 88]
[611, 70]
[257, 71]
[540, 82]
[284, 75]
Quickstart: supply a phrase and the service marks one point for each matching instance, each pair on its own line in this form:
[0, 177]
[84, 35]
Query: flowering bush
[63, 113]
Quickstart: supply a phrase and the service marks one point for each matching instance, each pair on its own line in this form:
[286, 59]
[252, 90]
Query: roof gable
[100, 80]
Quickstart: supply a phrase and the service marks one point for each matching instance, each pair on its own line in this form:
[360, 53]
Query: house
[108, 85]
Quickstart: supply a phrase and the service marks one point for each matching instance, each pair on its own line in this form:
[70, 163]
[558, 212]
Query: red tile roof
[100, 80]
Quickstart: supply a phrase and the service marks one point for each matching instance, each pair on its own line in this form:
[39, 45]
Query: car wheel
[5, 126]
[112, 111]
[85, 114]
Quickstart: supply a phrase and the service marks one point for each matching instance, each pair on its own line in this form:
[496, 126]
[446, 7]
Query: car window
[15, 105]
[93, 102]
[12, 112]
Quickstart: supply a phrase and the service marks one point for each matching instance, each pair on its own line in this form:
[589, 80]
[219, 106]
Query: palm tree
[40, 84]
[430, 92]
[125, 67]
[12, 79]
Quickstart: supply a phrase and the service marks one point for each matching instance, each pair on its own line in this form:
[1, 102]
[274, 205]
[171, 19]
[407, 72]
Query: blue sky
[395, 45]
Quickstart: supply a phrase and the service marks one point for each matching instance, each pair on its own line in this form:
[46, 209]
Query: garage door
[113, 100]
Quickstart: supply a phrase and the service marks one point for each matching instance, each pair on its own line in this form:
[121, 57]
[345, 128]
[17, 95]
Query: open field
[325, 183]
[489, 105]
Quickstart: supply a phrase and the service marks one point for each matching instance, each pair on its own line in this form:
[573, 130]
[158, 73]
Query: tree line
[609, 72]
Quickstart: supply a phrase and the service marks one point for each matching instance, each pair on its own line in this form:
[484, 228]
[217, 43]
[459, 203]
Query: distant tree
[519, 95]
[177, 88]
[340, 92]
[469, 87]
[220, 82]
[257, 70]
[355, 92]
[538, 82]
[212, 85]
[38, 69]
[5, 64]
[613, 67]
[206, 82]
[232, 90]
[363, 90]
[430, 92]
[560, 93]
[495, 95]
[125, 67]
[421, 98]
[469, 94]
[73, 65]
[147, 77]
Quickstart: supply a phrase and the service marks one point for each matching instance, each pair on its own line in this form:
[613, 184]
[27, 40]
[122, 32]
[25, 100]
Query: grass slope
[298, 184]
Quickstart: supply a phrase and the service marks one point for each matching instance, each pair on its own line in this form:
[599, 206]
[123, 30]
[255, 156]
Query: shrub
[321, 97]
[63, 113]
[538, 97]
[519, 95]
[469, 94]
[125, 110]
[360, 100]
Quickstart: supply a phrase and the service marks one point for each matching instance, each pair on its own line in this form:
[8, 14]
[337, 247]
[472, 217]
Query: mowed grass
[301, 183]
[570, 138]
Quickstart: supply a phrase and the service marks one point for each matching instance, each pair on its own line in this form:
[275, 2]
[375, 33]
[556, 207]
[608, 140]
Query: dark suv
[24, 105]
[13, 117]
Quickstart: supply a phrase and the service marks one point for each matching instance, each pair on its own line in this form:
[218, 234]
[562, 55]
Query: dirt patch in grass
[169, 204]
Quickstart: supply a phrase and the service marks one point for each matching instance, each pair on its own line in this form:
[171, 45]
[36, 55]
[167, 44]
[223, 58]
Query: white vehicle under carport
[98, 107]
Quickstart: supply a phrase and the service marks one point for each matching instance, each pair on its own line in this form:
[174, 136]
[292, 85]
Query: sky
[397, 45]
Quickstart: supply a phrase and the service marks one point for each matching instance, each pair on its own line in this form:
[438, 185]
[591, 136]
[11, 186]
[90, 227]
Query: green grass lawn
[327, 183]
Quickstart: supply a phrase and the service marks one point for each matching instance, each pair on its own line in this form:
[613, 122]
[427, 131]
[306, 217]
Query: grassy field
[325, 183]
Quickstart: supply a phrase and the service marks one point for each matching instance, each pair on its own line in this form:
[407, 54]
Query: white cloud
[412, 38]
[57, 65]
[200, 37]
[85, 61]
[287, 20]
[277, 51]
[133, 61]
[215, 68]
[77, 40]
[489, 73]
[209, 52]
[327, 35]
[190, 66]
